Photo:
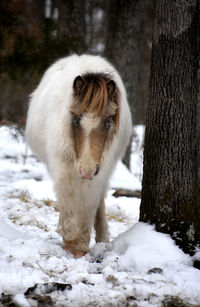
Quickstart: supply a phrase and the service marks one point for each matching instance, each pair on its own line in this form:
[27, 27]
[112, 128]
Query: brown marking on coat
[70, 246]
[78, 138]
[99, 138]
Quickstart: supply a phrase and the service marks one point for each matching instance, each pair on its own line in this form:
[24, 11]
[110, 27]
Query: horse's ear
[78, 85]
[111, 88]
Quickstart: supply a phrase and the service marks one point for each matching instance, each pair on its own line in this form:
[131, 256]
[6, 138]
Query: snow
[139, 267]
[122, 178]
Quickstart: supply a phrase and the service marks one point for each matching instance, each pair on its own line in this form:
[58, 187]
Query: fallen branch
[126, 193]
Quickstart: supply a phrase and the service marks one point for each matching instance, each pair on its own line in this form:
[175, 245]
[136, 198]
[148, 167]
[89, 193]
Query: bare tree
[72, 23]
[125, 29]
[170, 187]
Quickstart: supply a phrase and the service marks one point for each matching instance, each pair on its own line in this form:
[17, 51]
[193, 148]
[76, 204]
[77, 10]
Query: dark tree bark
[95, 26]
[142, 92]
[125, 25]
[170, 187]
[72, 20]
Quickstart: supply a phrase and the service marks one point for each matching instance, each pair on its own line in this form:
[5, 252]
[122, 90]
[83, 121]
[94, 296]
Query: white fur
[48, 134]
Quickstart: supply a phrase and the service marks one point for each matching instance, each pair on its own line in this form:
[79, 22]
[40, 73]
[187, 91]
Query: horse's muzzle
[88, 173]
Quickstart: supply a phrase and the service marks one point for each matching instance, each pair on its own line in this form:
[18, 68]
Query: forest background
[34, 34]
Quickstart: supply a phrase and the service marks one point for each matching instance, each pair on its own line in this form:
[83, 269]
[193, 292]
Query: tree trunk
[125, 24]
[142, 93]
[72, 19]
[170, 187]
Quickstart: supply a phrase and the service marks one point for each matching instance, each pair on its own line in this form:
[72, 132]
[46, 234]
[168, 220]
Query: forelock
[94, 96]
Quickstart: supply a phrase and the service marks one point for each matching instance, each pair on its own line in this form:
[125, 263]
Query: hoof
[78, 254]
[70, 246]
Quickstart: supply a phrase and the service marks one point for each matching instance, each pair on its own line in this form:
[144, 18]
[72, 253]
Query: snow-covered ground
[139, 267]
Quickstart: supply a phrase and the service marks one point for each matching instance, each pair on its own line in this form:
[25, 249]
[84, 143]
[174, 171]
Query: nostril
[97, 169]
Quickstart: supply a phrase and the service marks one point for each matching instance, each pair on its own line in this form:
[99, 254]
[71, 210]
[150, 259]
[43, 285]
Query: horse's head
[94, 120]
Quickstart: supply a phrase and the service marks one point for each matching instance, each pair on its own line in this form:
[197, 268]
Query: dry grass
[24, 196]
[50, 203]
[116, 218]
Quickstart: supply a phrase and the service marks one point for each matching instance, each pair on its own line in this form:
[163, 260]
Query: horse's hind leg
[100, 224]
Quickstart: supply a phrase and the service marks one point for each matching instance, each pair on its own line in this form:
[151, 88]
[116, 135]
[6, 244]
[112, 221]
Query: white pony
[79, 124]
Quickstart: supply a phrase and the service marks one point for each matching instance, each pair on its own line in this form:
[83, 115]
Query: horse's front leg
[80, 246]
[74, 221]
[68, 225]
[75, 233]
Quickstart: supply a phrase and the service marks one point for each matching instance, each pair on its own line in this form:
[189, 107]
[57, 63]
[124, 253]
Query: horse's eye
[75, 120]
[107, 123]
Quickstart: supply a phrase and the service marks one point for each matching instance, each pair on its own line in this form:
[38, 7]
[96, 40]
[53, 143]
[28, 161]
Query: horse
[79, 124]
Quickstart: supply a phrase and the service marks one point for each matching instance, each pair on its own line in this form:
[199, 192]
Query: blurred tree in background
[33, 34]
[125, 42]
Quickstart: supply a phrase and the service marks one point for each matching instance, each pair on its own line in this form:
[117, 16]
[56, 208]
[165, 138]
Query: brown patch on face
[78, 136]
[101, 137]
[97, 139]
